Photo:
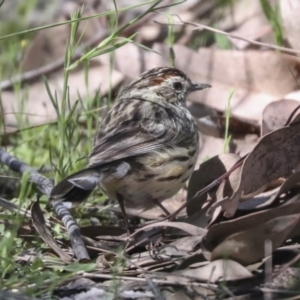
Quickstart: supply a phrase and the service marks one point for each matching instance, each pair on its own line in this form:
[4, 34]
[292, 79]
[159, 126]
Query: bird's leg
[120, 199]
[167, 213]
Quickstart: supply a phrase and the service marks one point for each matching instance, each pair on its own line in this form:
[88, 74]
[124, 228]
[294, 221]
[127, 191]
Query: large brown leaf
[276, 155]
[219, 232]
[247, 247]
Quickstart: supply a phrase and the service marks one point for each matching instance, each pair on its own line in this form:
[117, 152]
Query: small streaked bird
[146, 146]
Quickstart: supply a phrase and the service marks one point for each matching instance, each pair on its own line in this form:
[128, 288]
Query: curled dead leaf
[39, 224]
[223, 230]
[209, 171]
[190, 229]
[247, 247]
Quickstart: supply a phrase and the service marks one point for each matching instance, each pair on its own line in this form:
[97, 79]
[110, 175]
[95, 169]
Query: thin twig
[234, 36]
[190, 282]
[291, 116]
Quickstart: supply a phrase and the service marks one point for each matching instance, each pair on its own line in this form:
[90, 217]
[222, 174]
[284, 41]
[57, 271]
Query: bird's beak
[199, 86]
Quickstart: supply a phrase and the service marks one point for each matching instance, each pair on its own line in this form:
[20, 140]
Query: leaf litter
[216, 242]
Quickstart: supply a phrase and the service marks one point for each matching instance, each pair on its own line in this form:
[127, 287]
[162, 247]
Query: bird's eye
[177, 86]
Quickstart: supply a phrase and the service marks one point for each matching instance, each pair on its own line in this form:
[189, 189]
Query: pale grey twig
[234, 36]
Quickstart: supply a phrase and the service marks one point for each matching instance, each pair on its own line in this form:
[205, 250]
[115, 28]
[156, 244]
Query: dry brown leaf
[276, 155]
[208, 172]
[263, 200]
[187, 244]
[40, 226]
[39, 106]
[276, 114]
[291, 184]
[188, 228]
[247, 247]
[218, 270]
[219, 232]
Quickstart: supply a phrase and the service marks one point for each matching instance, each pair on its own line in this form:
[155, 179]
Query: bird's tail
[76, 187]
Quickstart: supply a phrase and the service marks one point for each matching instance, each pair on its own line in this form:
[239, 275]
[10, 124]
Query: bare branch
[234, 36]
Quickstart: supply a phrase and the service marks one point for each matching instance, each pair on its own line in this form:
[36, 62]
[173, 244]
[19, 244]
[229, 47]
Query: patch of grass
[11, 51]
[273, 15]
[227, 137]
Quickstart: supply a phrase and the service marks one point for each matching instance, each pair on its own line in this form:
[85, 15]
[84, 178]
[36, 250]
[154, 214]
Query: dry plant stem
[212, 287]
[201, 27]
[288, 121]
[45, 185]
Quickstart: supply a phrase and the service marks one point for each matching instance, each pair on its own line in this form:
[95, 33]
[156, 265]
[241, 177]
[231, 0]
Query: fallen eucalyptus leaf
[276, 155]
[40, 226]
[247, 247]
[209, 171]
[276, 114]
[219, 232]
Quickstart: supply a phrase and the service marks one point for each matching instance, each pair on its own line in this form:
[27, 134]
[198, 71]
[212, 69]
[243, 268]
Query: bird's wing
[130, 142]
[130, 136]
